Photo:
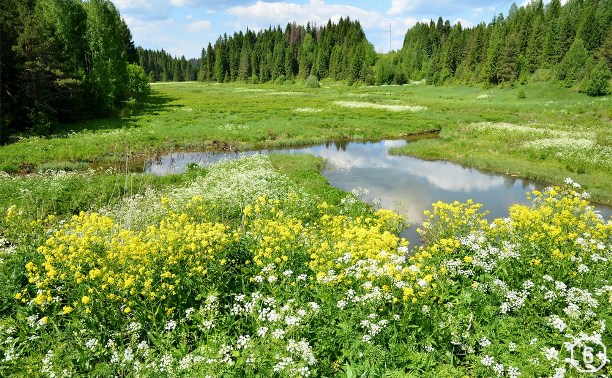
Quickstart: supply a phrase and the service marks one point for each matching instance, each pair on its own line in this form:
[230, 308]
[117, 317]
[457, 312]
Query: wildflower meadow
[241, 272]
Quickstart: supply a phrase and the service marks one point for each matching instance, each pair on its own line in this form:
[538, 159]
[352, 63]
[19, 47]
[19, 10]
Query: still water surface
[406, 184]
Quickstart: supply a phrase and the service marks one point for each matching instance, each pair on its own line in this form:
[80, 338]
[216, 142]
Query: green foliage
[280, 80]
[598, 82]
[532, 37]
[62, 60]
[520, 94]
[572, 68]
[138, 82]
[312, 82]
[108, 72]
[336, 50]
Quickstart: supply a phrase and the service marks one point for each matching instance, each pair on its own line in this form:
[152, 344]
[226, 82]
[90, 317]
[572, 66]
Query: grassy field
[491, 129]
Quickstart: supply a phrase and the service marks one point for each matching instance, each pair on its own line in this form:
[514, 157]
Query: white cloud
[183, 3]
[399, 7]
[144, 9]
[198, 26]
[262, 13]
[464, 23]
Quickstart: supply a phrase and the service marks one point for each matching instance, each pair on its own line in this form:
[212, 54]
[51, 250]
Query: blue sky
[184, 27]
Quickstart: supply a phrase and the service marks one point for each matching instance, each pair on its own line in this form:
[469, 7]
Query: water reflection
[405, 184]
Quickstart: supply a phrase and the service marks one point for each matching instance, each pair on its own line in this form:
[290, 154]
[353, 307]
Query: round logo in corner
[588, 354]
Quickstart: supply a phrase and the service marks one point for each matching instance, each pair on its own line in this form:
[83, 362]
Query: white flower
[341, 304]
[559, 373]
[498, 368]
[513, 372]
[171, 325]
[189, 311]
[278, 333]
[315, 307]
[287, 273]
[484, 342]
[551, 354]
[243, 340]
[487, 360]
[208, 324]
[134, 327]
[301, 277]
[556, 322]
[128, 355]
[512, 347]
[272, 279]
[583, 268]
[528, 284]
[91, 344]
[261, 332]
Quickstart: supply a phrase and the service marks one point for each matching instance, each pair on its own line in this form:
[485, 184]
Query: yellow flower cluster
[92, 262]
[277, 235]
[556, 233]
[451, 219]
[344, 241]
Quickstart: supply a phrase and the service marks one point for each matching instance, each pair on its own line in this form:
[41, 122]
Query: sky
[184, 27]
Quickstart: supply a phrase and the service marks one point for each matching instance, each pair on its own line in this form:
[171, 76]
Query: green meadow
[257, 267]
[550, 134]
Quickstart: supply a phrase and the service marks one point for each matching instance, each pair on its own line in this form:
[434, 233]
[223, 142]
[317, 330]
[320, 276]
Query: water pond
[406, 184]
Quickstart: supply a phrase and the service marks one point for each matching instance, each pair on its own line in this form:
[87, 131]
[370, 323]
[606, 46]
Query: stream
[403, 183]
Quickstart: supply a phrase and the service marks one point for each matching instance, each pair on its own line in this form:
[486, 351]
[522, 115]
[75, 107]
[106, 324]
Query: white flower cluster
[370, 105]
[372, 328]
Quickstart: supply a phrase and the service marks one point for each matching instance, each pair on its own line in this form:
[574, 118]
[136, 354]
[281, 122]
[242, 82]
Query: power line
[494, 11]
[468, 9]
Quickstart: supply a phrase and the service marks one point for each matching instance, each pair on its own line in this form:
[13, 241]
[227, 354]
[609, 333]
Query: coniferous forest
[568, 43]
[65, 60]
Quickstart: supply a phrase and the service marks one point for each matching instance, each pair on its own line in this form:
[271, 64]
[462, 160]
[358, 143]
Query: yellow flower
[85, 299]
[127, 310]
[67, 310]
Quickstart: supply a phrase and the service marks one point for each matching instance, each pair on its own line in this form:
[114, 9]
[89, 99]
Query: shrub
[521, 94]
[312, 82]
[138, 82]
[280, 80]
[598, 82]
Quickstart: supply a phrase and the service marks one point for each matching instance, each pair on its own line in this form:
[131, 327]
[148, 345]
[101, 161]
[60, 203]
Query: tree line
[570, 43]
[161, 66]
[339, 51]
[64, 60]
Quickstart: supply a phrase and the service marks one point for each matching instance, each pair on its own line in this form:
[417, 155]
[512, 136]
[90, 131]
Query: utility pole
[389, 37]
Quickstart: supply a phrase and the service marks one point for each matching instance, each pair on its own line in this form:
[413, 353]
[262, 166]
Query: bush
[521, 94]
[312, 82]
[138, 82]
[598, 82]
[280, 80]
